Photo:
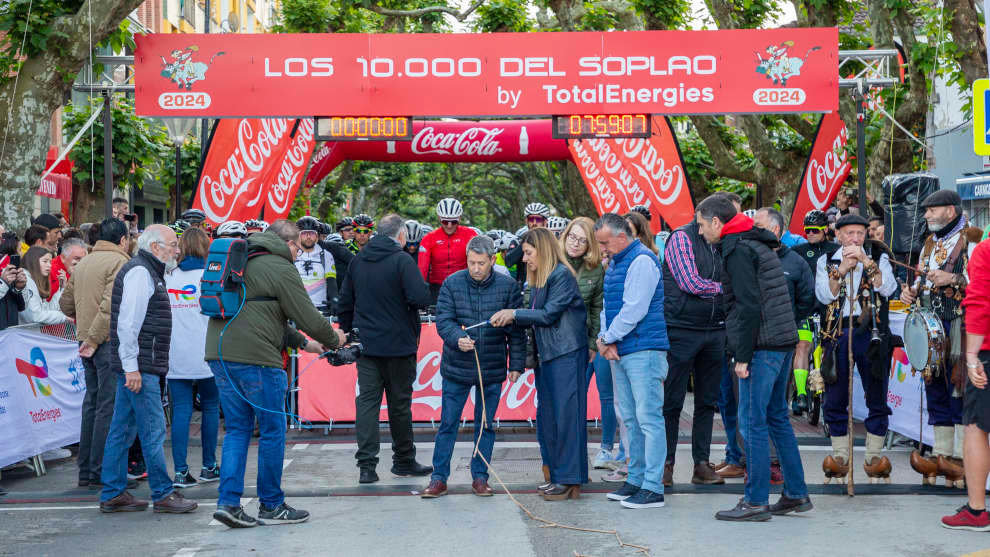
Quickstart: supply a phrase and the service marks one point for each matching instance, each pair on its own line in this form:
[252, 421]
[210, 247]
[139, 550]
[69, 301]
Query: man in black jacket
[760, 335]
[382, 295]
[800, 280]
[468, 297]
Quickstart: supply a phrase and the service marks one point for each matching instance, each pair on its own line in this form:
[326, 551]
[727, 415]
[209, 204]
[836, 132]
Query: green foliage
[502, 16]
[304, 16]
[597, 18]
[189, 166]
[665, 14]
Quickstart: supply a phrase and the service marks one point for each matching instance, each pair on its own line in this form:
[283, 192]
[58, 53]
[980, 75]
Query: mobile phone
[15, 260]
[131, 217]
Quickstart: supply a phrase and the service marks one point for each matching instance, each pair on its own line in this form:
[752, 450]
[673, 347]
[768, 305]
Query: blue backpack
[222, 285]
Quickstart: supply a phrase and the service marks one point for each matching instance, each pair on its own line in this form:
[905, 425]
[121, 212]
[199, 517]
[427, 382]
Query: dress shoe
[175, 503]
[412, 468]
[559, 492]
[744, 512]
[704, 474]
[787, 505]
[125, 502]
[668, 474]
[732, 471]
[437, 488]
[481, 488]
[368, 475]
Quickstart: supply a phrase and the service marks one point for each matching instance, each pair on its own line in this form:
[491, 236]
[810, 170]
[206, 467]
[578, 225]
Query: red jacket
[977, 302]
[57, 266]
[441, 255]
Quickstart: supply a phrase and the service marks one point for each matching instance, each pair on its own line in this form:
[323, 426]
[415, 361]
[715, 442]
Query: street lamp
[178, 129]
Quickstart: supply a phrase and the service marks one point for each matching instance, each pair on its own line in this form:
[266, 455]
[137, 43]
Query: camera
[347, 354]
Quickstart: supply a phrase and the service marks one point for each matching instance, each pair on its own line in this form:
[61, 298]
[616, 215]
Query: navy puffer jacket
[464, 301]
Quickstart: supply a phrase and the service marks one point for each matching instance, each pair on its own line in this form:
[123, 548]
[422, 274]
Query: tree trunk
[968, 38]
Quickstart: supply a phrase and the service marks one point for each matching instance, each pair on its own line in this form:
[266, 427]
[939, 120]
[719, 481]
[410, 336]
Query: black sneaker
[282, 514]
[744, 512]
[368, 476]
[411, 469]
[207, 475]
[137, 471]
[183, 479]
[643, 499]
[626, 491]
[234, 517]
[787, 505]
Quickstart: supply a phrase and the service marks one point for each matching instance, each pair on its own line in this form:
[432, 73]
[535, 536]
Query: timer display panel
[364, 128]
[590, 126]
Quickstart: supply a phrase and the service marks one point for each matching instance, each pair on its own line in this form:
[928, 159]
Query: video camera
[347, 354]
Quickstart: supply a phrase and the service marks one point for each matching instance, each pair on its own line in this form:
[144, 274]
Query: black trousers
[97, 411]
[698, 353]
[394, 378]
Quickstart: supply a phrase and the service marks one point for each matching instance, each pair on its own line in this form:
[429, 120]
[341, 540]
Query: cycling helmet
[750, 213]
[414, 232]
[364, 220]
[179, 227]
[324, 229]
[256, 225]
[507, 242]
[519, 233]
[449, 209]
[815, 218]
[308, 223]
[335, 238]
[643, 210]
[232, 229]
[495, 234]
[346, 222]
[556, 224]
[193, 216]
[537, 209]
[476, 230]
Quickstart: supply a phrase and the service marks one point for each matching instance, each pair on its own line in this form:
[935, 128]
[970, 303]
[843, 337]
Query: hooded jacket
[800, 282]
[258, 334]
[760, 315]
[86, 297]
[382, 295]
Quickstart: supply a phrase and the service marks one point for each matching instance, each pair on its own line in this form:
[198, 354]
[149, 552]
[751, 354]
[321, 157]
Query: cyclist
[194, 217]
[232, 229]
[345, 227]
[255, 225]
[342, 256]
[443, 252]
[364, 227]
[316, 265]
[557, 225]
[414, 235]
[179, 227]
[536, 217]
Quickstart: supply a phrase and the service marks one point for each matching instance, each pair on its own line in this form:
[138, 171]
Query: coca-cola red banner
[327, 393]
[327, 157]
[827, 168]
[623, 173]
[286, 172]
[504, 74]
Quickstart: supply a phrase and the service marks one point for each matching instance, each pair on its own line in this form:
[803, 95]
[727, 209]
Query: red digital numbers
[602, 125]
[370, 127]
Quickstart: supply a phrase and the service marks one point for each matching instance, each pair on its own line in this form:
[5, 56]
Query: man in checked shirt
[695, 315]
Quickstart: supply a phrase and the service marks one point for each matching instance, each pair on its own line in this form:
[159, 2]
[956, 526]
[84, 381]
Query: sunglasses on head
[363, 230]
[449, 222]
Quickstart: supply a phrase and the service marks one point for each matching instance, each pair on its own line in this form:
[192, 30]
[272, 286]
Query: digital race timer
[354, 128]
[589, 126]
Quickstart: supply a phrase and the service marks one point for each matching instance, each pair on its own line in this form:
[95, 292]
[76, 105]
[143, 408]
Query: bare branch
[805, 128]
[419, 12]
[725, 162]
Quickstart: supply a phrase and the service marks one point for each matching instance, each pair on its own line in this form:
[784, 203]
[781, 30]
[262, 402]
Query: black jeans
[97, 411]
[699, 353]
[394, 378]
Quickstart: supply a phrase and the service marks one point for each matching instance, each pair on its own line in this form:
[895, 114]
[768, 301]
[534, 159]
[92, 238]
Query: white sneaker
[56, 454]
[603, 459]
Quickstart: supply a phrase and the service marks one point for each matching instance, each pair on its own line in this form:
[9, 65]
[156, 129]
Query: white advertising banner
[905, 394]
[42, 385]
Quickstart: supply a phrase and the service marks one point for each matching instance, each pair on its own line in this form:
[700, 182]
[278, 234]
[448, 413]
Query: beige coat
[86, 296]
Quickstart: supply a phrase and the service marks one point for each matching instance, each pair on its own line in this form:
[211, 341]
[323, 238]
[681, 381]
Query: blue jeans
[603, 378]
[639, 389]
[762, 411]
[729, 409]
[138, 414]
[455, 395]
[182, 408]
[247, 392]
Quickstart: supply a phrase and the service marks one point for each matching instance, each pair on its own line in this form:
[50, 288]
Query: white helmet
[537, 209]
[414, 231]
[556, 224]
[335, 238]
[476, 230]
[256, 224]
[506, 242]
[750, 213]
[519, 233]
[449, 209]
[232, 228]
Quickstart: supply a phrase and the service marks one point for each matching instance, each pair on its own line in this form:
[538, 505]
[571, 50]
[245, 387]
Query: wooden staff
[851, 296]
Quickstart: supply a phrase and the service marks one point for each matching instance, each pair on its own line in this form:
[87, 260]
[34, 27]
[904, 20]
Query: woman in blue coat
[558, 317]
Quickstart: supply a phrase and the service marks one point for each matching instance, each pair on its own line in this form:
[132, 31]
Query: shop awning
[58, 183]
[973, 187]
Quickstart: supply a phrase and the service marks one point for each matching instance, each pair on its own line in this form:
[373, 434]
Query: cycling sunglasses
[815, 229]
[361, 230]
[448, 222]
[535, 218]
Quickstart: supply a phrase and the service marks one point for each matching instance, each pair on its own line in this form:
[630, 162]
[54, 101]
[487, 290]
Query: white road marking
[186, 552]
[328, 446]
[72, 508]
[594, 445]
[244, 503]
[300, 446]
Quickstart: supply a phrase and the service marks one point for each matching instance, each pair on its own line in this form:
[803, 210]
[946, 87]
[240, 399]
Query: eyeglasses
[363, 230]
[535, 218]
[449, 222]
[814, 229]
[572, 238]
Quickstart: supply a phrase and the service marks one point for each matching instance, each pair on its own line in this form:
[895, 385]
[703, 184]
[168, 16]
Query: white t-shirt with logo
[188, 346]
[315, 267]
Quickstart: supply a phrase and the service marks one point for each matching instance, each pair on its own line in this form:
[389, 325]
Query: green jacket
[590, 283]
[260, 332]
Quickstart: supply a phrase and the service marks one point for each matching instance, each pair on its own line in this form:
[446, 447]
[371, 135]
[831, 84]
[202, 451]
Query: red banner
[506, 74]
[327, 157]
[327, 393]
[827, 168]
[286, 174]
[622, 173]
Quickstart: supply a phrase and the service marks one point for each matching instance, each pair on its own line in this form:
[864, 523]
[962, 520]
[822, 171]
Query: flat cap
[846, 220]
[942, 198]
[48, 221]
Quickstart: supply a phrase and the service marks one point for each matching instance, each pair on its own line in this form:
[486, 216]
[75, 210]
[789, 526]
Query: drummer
[943, 262]
[833, 270]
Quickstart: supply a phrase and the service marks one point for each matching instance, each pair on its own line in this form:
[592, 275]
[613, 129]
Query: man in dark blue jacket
[466, 298]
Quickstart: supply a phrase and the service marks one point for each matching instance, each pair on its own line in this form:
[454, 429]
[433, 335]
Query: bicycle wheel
[815, 408]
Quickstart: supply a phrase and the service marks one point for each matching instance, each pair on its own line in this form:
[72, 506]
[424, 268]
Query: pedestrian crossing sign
[981, 131]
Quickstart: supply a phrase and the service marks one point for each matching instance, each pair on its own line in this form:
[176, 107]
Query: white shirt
[315, 267]
[949, 244]
[188, 326]
[824, 293]
[39, 310]
[138, 288]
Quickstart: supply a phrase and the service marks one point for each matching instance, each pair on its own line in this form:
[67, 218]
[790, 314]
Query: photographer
[250, 375]
[12, 281]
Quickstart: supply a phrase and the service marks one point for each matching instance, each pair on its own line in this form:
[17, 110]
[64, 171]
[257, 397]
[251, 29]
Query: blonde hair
[548, 255]
[593, 257]
[641, 227]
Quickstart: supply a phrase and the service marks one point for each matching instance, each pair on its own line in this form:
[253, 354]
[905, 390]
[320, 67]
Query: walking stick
[850, 488]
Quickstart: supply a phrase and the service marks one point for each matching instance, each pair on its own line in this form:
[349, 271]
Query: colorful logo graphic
[901, 366]
[188, 292]
[780, 66]
[78, 373]
[183, 70]
[35, 371]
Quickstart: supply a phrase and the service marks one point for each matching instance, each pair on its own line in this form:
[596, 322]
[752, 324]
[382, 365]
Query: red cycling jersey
[441, 255]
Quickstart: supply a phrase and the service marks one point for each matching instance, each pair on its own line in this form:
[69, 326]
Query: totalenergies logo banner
[827, 168]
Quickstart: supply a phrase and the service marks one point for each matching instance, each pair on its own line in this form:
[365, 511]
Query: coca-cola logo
[665, 182]
[597, 184]
[293, 164]
[823, 177]
[476, 141]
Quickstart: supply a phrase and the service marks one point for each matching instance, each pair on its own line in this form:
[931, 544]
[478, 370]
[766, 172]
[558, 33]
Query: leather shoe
[125, 502]
[175, 503]
[668, 474]
[706, 475]
[787, 505]
[411, 469]
[480, 488]
[744, 512]
[559, 492]
[436, 489]
[368, 476]
[732, 471]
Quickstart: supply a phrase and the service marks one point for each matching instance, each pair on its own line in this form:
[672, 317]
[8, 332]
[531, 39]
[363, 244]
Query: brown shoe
[175, 503]
[732, 471]
[123, 503]
[436, 489]
[560, 492]
[706, 475]
[546, 479]
[952, 469]
[480, 488]
[926, 466]
[668, 474]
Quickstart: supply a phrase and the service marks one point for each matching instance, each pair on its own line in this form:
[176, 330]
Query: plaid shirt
[680, 258]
